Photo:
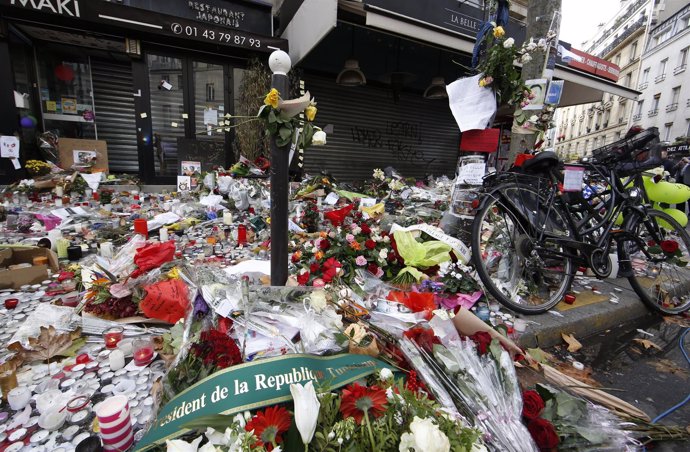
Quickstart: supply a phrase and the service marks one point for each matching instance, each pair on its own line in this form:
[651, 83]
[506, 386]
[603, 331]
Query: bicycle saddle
[541, 162]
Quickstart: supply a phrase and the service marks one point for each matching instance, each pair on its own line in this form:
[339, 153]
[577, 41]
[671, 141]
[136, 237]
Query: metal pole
[280, 64]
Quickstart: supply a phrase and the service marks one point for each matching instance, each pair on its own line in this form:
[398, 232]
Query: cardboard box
[35, 274]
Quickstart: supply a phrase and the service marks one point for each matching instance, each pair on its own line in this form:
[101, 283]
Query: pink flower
[379, 272]
[318, 282]
[361, 261]
[350, 238]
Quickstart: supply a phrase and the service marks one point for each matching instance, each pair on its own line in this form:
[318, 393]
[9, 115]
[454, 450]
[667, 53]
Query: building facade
[581, 128]
[665, 80]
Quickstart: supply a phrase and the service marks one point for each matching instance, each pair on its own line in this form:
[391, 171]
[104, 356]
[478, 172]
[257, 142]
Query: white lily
[178, 445]
[306, 409]
[425, 436]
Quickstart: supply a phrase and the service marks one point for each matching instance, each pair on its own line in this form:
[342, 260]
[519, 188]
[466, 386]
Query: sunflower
[359, 400]
[269, 425]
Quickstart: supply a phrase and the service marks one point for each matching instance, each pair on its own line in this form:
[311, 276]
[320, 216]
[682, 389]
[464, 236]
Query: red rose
[669, 246]
[391, 257]
[482, 339]
[324, 244]
[366, 230]
[532, 404]
[314, 267]
[296, 257]
[370, 244]
[303, 278]
[373, 268]
[543, 433]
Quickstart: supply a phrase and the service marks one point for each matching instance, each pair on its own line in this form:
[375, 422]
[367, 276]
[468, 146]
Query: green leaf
[285, 133]
[272, 117]
[593, 436]
[549, 412]
[537, 354]
[546, 392]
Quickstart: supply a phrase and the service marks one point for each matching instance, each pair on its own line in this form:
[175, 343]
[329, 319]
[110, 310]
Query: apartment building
[665, 99]
[581, 128]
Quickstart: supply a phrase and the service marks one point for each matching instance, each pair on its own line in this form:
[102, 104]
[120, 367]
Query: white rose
[318, 300]
[530, 45]
[425, 436]
[526, 58]
[385, 374]
[383, 254]
[319, 138]
[533, 118]
[508, 43]
[542, 43]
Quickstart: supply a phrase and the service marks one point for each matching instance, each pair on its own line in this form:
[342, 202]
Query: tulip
[306, 409]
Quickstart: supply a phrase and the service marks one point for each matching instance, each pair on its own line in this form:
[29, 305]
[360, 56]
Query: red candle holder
[141, 227]
[11, 303]
[142, 352]
[242, 235]
[112, 336]
[83, 358]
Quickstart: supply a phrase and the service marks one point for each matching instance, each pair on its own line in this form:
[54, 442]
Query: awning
[583, 88]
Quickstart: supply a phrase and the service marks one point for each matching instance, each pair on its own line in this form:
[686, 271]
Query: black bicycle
[530, 237]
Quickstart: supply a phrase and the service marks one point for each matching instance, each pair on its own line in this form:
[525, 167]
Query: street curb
[586, 320]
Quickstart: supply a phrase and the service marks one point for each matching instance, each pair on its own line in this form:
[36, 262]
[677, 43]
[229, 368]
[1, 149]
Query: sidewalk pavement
[600, 305]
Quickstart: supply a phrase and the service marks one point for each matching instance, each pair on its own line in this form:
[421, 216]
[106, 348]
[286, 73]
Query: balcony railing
[653, 112]
[679, 69]
[672, 107]
[660, 78]
[642, 86]
[637, 117]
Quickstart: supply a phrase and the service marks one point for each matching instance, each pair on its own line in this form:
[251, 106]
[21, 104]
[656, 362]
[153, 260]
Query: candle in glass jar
[112, 337]
[143, 352]
[59, 191]
[164, 235]
[227, 217]
[241, 234]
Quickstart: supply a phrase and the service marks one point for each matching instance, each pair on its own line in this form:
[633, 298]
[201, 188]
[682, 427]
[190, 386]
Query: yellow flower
[319, 255]
[482, 83]
[272, 98]
[174, 273]
[499, 32]
[310, 112]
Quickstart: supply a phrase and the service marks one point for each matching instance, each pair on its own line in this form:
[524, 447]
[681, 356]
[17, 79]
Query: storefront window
[209, 101]
[66, 94]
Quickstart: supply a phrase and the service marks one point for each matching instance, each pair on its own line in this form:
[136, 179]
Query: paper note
[173, 124]
[367, 202]
[572, 179]
[472, 173]
[143, 116]
[165, 84]
[51, 105]
[185, 116]
[20, 100]
[9, 147]
[332, 198]
[16, 163]
[211, 116]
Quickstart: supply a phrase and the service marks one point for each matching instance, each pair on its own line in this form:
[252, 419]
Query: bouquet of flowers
[383, 413]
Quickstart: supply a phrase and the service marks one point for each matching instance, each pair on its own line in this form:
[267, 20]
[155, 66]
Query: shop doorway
[189, 99]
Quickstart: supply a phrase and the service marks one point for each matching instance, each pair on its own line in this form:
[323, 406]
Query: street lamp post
[280, 65]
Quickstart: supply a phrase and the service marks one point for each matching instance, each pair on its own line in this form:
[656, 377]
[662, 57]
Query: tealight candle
[164, 235]
[227, 217]
[113, 336]
[11, 303]
[143, 352]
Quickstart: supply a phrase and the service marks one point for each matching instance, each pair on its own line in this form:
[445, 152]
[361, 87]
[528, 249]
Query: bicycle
[529, 238]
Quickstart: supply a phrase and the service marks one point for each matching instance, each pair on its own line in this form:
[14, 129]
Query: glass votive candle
[142, 351]
[112, 336]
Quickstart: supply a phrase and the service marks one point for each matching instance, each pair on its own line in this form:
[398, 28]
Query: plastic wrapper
[122, 264]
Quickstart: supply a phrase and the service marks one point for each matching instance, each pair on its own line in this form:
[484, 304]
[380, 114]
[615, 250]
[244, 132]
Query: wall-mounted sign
[583, 61]
[457, 17]
[238, 24]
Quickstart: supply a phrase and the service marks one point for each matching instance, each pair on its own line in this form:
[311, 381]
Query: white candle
[227, 217]
[164, 236]
[58, 202]
[59, 191]
[117, 360]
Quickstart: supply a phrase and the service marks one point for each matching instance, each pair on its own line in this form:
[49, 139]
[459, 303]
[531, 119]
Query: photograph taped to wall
[84, 158]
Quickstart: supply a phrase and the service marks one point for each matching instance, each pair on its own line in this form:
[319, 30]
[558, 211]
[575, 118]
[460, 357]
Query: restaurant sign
[248, 28]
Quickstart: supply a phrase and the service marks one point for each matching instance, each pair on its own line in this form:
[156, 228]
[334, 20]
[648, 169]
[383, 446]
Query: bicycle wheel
[659, 259]
[523, 275]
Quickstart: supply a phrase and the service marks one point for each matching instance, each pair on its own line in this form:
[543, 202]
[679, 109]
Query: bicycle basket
[624, 149]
